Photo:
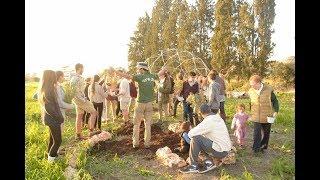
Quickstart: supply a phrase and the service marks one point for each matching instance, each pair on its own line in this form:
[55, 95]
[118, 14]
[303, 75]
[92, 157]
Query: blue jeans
[186, 137]
[187, 112]
[200, 143]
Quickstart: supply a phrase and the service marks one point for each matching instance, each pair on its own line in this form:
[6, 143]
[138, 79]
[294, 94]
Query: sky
[96, 33]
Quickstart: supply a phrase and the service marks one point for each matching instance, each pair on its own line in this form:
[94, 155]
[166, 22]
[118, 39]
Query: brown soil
[159, 139]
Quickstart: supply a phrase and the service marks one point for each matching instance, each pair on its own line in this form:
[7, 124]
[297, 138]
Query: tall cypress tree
[160, 14]
[147, 37]
[205, 21]
[264, 11]
[223, 39]
[138, 43]
[192, 25]
[245, 29]
[170, 27]
[184, 29]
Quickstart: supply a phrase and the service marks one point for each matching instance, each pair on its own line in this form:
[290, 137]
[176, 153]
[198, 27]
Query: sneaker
[208, 167]
[51, 159]
[135, 147]
[189, 169]
[263, 147]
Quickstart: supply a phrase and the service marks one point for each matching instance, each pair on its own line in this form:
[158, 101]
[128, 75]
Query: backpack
[133, 89]
[172, 85]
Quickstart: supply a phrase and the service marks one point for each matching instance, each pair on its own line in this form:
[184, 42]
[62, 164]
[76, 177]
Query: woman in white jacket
[97, 96]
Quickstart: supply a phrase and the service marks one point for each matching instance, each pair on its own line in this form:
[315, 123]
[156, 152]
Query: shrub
[235, 85]
[283, 167]
[69, 92]
[283, 75]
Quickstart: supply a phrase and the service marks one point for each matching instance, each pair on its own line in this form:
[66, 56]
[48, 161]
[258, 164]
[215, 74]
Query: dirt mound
[127, 129]
[159, 139]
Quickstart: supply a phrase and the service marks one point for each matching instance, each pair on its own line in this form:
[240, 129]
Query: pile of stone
[170, 159]
[103, 136]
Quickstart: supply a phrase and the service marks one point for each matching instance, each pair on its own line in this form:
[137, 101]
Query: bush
[281, 75]
[235, 85]
[32, 79]
[69, 92]
[283, 167]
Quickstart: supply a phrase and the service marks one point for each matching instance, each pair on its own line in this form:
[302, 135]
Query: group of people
[202, 97]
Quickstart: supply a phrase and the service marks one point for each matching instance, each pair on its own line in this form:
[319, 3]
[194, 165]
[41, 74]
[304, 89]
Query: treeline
[222, 33]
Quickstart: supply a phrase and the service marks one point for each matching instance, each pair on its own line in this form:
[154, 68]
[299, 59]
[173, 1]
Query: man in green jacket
[263, 104]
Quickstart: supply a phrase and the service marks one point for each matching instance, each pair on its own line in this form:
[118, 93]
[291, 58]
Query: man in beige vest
[263, 104]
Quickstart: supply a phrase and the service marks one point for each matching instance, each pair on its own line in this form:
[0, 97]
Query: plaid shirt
[78, 84]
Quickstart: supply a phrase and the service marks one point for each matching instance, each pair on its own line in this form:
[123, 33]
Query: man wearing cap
[211, 136]
[143, 108]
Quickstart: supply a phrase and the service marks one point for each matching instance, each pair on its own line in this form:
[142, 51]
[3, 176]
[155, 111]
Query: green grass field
[279, 166]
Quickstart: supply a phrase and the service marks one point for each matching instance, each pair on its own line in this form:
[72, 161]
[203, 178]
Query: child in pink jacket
[239, 124]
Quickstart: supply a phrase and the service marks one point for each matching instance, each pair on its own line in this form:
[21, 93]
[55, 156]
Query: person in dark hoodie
[189, 86]
[51, 114]
[86, 115]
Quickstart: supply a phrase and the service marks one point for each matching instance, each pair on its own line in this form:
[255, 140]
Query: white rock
[103, 136]
[162, 152]
[170, 159]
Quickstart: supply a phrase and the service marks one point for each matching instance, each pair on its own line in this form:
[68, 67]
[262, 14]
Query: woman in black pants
[51, 114]
[118, 110]
[97, 96]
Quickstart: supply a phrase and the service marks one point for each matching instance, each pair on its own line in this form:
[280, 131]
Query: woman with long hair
[97, 95]
[51, 114]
